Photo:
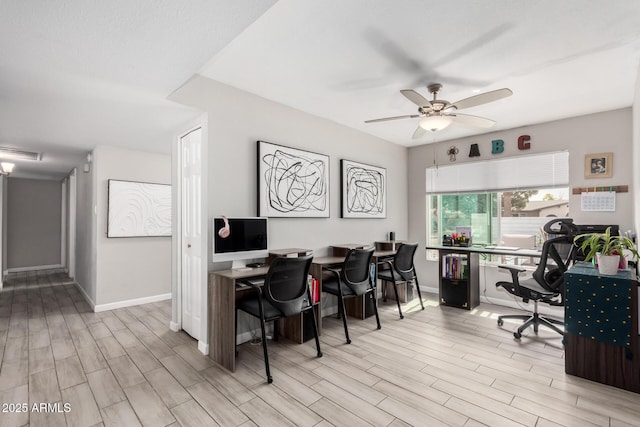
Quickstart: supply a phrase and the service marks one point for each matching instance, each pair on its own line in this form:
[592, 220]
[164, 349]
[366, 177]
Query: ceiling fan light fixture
[7, 168]
[435, 123]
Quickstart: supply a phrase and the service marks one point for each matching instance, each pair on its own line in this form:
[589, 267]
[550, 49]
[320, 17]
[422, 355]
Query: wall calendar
[598, 201]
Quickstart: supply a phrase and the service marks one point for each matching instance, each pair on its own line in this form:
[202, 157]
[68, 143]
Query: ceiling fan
[438, 113]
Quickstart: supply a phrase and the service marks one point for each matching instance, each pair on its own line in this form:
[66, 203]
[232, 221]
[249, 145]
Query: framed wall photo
[138, 209]
[292, 183]
[598, 165]
[364, 190]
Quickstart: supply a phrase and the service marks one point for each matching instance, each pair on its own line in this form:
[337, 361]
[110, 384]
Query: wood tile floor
[436, 367]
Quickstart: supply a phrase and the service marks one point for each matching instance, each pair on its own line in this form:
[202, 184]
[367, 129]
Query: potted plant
[608, 249]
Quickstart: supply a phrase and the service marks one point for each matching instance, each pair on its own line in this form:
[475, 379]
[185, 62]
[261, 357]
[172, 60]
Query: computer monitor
[239, 239]
[591, 228]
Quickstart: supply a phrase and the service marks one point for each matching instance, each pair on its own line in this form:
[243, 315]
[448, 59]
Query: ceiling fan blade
[384, 119]
[483, 98]
[419, 132]
[467, 120]
[416, 98]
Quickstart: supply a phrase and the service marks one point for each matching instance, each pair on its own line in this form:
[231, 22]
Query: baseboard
[175, 326]
[203, 347]
[34, 268]
[131, 302]
[86, 297]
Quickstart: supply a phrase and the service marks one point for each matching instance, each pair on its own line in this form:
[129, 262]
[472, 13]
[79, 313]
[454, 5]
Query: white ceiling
[76, 74]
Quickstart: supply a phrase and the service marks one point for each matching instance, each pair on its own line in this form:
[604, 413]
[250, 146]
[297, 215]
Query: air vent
[12, 153]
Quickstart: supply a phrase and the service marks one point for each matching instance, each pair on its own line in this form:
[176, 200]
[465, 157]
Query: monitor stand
[239, 265]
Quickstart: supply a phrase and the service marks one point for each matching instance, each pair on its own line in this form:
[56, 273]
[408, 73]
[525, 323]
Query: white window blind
[535, 171]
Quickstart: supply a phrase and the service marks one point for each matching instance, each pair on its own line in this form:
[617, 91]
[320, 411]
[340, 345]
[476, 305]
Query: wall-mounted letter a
[474, 151]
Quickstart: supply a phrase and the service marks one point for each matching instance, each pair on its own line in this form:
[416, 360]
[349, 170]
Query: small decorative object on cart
[447, 240]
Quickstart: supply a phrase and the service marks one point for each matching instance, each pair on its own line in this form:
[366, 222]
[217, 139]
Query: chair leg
[342, 312]
[264, 349]
[375, 307]
[384, 291]
[315, 331]
[395, 291]
[418, 290]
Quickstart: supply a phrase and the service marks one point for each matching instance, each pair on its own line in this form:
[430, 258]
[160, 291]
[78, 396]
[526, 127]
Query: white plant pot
[608, 264]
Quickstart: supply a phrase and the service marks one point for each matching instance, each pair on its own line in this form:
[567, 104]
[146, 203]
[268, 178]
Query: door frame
[176, 245]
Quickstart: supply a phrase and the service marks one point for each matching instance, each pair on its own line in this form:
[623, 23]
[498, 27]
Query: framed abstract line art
[292, 183]
[598, 165]
[364, 190]
[138, 209]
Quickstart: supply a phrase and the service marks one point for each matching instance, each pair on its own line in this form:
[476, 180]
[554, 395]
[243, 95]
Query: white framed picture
[291, 182]
[138, 209]
[364, 190]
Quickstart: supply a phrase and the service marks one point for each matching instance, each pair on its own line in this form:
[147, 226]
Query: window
[505, 201]
[508, 218]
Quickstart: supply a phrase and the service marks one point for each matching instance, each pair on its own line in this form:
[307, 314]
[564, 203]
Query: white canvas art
[363, 190]
[292, 182]
[138, 209]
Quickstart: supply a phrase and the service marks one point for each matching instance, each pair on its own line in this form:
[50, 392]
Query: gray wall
[604, 132]
[33, 223]
[135, 267]
[238, 119]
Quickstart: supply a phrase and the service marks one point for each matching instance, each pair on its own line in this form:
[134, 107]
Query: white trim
[203, 347]
[131, 302]
[63, 221]
[71, 254]
[34, 268]
[175, 326]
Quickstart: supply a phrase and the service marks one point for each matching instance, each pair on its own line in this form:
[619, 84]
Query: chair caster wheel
[401, 316]
[348, 341]
[269, 380]
[517, 335]
[500, 322]
[379, 327]
[320, 354]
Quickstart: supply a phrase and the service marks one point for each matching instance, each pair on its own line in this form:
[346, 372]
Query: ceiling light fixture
[12, 153]
[435, 123]
[6, 168]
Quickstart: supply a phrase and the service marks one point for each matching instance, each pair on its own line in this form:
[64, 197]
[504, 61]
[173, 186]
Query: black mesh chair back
[403, 260]
[558, 248]
[355, 270]
[286, 284]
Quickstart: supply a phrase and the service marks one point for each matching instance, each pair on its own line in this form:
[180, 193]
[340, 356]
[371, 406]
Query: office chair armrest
[514, 273]
[256, 287]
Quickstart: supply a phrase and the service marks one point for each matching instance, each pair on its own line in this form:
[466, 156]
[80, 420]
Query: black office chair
[401, 270]
[352, 280]
[285, 293]
[547, 283]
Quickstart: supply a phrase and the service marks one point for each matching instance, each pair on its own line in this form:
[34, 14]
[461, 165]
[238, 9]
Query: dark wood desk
[222, 312]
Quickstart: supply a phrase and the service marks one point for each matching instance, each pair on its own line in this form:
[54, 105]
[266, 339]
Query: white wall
[238, 119]
[86, 258]
[137, 267]
[33, 223]
[636, 151]
[605, 132]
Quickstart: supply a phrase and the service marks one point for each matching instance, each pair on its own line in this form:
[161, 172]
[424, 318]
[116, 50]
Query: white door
[191, 232]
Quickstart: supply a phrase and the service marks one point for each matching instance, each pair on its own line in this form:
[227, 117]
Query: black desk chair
[352, 280]
[285, 293]
[401, 270]
[547, 283]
